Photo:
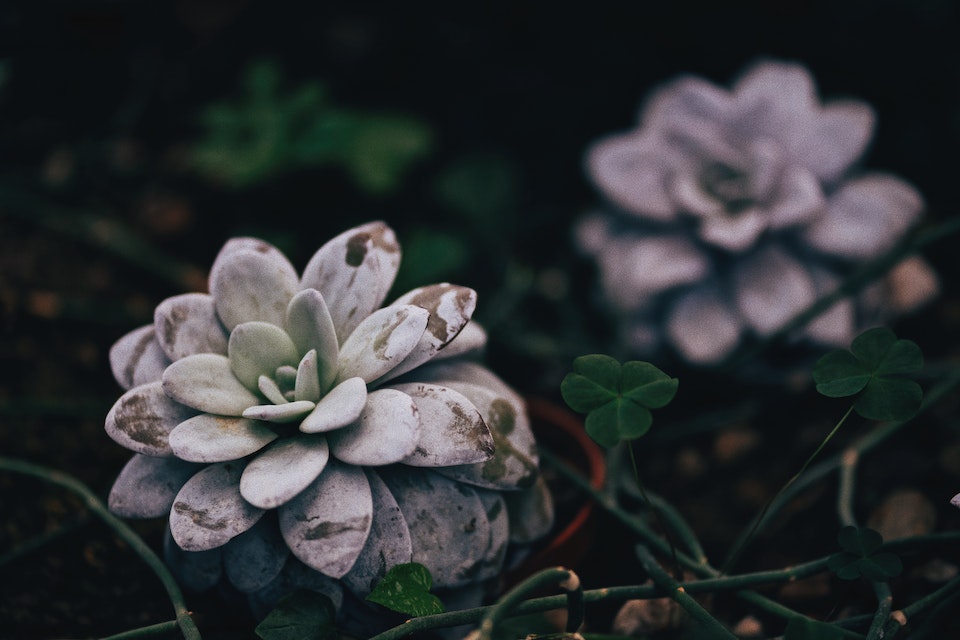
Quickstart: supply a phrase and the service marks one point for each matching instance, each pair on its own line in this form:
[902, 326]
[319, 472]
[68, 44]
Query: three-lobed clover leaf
[301, 615]
[406, 589]
[617, 398]
[875, 367]
[860, 556]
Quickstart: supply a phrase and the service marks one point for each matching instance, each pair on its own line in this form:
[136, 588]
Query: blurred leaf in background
[267, 131]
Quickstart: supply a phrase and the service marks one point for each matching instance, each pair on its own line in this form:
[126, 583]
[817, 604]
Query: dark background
[100, 103]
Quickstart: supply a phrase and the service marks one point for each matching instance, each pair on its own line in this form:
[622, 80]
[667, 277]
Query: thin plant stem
[159, 630]
[557, 576]
[656, 512]
[128, 535]
[848, 473]
[884, 606]
[679, 594]
[743, 541]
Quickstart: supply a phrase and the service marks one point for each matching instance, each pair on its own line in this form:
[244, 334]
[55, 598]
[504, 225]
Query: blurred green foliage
[267, 131]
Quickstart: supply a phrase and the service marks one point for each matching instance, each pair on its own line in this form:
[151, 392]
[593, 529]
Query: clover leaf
[860, 556]
[617, 398]
[301, 615]
[875, 367]
[406, 589]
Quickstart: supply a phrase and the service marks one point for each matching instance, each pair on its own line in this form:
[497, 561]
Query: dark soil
[100, 100]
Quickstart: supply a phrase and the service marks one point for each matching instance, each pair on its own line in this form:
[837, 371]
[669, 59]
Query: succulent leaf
[387, 431]
[283, 470]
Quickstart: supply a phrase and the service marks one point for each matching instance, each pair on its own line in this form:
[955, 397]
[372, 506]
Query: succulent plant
[731, 211]
[298, 434]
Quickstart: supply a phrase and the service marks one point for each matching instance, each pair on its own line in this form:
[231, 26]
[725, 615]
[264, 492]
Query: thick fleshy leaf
[196, 570]
[471, 339]
[269, 388]
[388, 543]
[307, 386]
[295, 575]
[463, 371]
[531, 512]
[280, 413]
[147, 486]
[209, 510]
[450, 307]
[387, 431]
[703, 327]
[212, 438]
[354, 272]
[257, 349]
[327, 524]
[205, 382]
[188, 324]
[381, 342]
[283, 470]
[865, 217]
[255, 558]
[629, 170]
[252, 284]
[514, 462]
[137, 358]
[310, 327]
[453, 431]
[496, 508]
[447, 521]
[142, 419]
[340, 407]
[772, 288]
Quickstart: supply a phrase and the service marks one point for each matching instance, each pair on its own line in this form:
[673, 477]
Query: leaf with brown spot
[354, 272]
[142, 419]
[209, 510]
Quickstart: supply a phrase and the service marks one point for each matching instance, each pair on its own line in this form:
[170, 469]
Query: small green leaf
[603, 370]
[839, 374]
[583, 394]
[406, 589]
[801, 628]
[861, 556]
[302, 615]
[875, 368]
[617, 399]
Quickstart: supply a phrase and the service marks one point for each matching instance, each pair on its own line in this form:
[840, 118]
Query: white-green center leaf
[257, 349]
[280, 413]
[205, 382]
[311, 327]
[340, 407]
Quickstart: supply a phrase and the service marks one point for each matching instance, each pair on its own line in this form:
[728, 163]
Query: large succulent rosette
[731, 211]
[297, 434]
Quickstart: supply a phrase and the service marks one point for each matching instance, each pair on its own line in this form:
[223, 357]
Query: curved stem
[566, 579]
[848, 472]
[96, 506]
[679, 594]
[884, 606]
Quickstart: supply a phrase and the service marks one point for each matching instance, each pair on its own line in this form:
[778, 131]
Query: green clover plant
[301, 615]
[616, 398]
[861, 556]
[874, 370]
[406, 589]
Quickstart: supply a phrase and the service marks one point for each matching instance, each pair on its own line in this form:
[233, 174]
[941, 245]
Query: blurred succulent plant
[733, 211]
[283, 414]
